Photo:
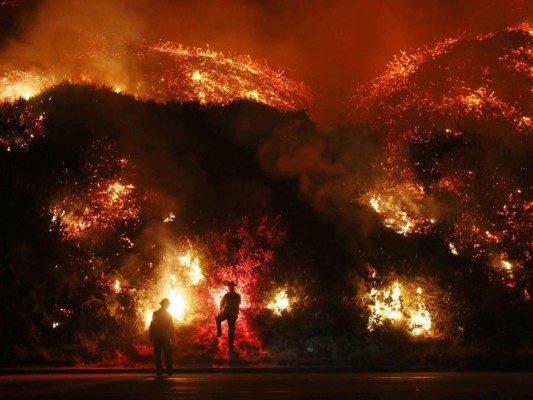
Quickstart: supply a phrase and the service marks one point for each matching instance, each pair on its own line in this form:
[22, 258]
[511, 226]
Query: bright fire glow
[507, 265]
[174, 72]
[389, 304]
[169, 218]
[400, 209]
[178, 303]
[212, 77]
[181, 274]
[280, 303]
[453, 249]
[20, 84]
[195, 273]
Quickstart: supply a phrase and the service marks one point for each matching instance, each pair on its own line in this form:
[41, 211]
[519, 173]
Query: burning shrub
[414, 305]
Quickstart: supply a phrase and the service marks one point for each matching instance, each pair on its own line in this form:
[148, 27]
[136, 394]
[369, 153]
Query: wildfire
[178, 281]
[20, 84]
[211, 77]
[280, 303]
[103, 207]
[401, 209]
[194, 273]
[390, 304]
[174, 72]
[433, 123]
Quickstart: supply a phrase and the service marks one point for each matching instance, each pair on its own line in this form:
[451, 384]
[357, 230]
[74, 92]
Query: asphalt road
[269, 385]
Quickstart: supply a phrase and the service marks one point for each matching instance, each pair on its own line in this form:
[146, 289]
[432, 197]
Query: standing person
[229, 310]
[162, 336]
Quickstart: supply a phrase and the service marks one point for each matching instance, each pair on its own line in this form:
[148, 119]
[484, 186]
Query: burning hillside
[126, 225]
[164, 72]
[340, 242]
[458, 137]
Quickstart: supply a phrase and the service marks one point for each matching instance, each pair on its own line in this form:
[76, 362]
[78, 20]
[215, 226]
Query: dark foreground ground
[268, 385]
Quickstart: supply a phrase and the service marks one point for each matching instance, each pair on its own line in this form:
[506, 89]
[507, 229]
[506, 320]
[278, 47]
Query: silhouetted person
[229, 310]
[162, 336]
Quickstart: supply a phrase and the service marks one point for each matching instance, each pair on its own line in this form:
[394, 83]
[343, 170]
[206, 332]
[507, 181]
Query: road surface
[269, 385]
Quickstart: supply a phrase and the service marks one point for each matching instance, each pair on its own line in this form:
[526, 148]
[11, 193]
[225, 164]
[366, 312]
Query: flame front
[172, 72]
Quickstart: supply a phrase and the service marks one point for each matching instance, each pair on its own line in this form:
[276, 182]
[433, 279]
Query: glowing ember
[453, 249]
[100, 209]
[20, 124]
[507, 265]
[19, 84]
[169, 218]
[401, 209]
[117, 287]
[211, 77]
[280, 303]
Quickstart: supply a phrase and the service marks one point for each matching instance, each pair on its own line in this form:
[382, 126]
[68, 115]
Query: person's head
[231, 285]
[165, 303]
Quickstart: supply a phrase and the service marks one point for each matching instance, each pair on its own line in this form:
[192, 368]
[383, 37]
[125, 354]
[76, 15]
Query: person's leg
[219, 318]
[168, 357]
[157, 353]
[231, 331]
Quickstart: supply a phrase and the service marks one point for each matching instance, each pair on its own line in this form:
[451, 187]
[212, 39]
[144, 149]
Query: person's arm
[223, 302]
